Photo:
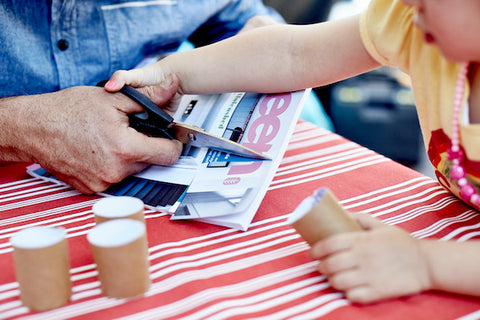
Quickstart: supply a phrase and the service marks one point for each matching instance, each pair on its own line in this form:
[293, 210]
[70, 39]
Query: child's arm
[453, 266]
[269, 59]
[386, 262]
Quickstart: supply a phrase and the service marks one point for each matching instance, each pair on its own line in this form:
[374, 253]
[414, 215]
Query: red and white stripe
[208, 272]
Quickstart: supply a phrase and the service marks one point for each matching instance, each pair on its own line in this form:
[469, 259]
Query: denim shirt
[52, 44]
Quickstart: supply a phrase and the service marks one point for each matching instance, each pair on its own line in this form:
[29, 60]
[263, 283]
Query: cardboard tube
[120, 251]
[321, 216]
[42, 267]
[118, 208]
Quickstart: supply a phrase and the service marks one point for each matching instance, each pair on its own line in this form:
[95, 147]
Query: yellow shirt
[389, 35]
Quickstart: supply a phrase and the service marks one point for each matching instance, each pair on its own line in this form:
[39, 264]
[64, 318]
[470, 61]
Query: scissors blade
[198, 137]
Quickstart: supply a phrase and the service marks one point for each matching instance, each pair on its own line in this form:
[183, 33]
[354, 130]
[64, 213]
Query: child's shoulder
[388, 32]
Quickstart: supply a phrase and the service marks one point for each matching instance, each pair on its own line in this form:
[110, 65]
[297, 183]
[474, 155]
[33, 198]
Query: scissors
[157, 123]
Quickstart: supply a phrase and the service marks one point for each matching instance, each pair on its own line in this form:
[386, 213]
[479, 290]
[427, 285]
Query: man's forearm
[13, 120]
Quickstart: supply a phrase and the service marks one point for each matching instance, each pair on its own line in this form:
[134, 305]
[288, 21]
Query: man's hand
[81, 135]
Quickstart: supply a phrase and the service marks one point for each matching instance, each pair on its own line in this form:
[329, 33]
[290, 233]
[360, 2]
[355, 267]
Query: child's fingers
[367, 222]
[141, 77]
[163, 95]
[331, 245]
[337, 263]
[362, 294]
[118, 80]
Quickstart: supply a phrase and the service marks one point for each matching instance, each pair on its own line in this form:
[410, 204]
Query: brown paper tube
[118, 208]
[120, 251]
[42, 267]
[321, 216]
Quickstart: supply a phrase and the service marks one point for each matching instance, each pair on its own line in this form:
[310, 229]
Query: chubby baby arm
[275, 58]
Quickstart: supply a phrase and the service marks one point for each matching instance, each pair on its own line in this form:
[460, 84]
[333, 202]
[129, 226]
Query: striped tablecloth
[201, 271]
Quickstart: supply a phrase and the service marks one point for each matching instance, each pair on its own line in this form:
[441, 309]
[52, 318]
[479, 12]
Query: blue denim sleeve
[228, 21]
[48, 46]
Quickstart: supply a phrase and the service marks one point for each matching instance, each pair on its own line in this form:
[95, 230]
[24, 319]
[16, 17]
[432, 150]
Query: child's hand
[157, 92]
[150, 75]
[382, 262]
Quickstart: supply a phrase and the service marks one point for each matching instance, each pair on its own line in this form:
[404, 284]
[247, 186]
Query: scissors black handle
[153, 121]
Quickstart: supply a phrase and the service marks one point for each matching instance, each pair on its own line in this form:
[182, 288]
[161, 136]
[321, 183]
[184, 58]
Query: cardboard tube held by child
[321, 216]
[120, 251]
[118, 208]
[42, 267]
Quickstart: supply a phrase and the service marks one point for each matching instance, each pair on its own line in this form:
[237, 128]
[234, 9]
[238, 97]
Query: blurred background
[376, 109]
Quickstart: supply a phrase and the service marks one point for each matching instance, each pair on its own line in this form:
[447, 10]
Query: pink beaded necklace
[454, 154]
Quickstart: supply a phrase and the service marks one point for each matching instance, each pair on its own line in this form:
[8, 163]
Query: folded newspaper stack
[212, 186]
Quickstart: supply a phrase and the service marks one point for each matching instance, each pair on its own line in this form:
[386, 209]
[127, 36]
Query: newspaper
[212, 186]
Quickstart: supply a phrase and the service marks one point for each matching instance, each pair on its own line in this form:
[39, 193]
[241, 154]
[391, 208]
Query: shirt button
[62, 44]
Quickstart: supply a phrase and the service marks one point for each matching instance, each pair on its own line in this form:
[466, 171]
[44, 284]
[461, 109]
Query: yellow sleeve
[388, 33]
